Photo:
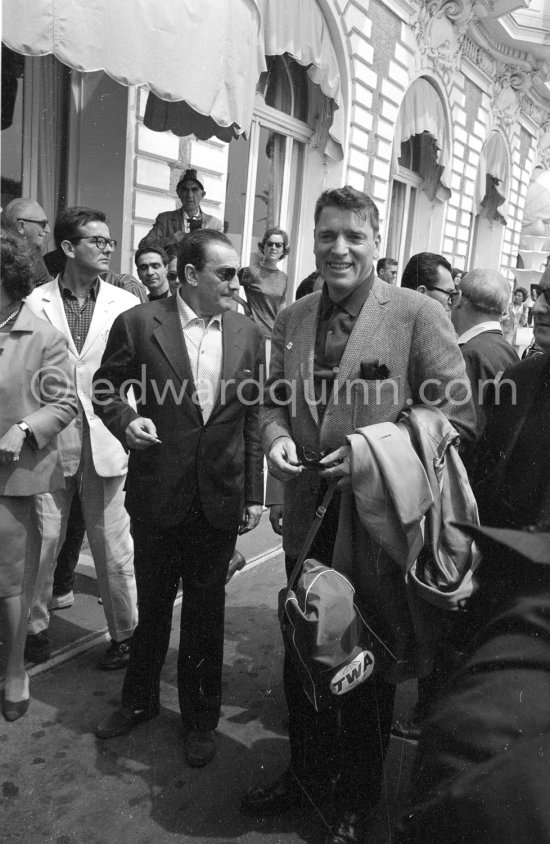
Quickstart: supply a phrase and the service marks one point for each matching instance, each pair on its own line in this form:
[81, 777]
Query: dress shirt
[203, 340]
[79, 316]
[489, 325]
[336, 322]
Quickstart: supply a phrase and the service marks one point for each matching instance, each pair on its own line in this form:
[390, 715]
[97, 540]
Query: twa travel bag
[331, 646]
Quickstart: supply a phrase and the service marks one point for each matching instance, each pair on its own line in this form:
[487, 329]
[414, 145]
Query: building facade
[439, 109]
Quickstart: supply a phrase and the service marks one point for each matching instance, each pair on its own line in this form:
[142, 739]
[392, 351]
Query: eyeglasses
[41, 223]
[171, 276]
[100, 242]
[537, 290]
[226, 273]
[452, 295]
[274, 244]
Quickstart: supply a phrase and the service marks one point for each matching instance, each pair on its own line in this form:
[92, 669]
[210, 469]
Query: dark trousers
[199, 554]
[338, 754]
[67, 559]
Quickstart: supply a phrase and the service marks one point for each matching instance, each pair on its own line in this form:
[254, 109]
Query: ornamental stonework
[440, 29]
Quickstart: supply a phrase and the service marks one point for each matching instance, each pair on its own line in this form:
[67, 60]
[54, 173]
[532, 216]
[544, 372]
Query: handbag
[331, 646]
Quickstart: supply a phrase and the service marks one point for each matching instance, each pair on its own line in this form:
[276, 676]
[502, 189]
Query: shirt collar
[197, 216]
[66, 293]
[353, 303]
[480, 328]
[187, 314]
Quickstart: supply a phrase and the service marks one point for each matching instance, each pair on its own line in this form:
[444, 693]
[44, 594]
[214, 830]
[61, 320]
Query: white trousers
[108, 530]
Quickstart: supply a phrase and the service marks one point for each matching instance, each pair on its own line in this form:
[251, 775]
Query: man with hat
[188, 218]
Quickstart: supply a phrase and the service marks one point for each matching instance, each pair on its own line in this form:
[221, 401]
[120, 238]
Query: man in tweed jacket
[353, 354]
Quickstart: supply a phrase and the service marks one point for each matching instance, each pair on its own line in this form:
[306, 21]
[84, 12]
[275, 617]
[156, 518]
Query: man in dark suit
[481, 774]
[195, 475]
[353, 354]
[476, 317]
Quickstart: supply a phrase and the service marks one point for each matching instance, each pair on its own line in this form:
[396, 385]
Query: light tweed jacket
[408, 333]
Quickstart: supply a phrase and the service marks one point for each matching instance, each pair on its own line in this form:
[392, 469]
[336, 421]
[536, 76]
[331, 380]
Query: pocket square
[373, 370]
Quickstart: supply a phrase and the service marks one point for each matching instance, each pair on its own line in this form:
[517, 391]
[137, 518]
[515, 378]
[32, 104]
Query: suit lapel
[169, 336]
[103, 315]
[305, 353]
[55, 312]
[369, 322]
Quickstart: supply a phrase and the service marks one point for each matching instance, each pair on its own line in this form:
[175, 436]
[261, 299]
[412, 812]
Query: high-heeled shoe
[12, 710]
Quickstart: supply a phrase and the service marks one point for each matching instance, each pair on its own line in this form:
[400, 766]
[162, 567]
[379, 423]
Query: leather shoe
[12, 710]
[200, 748]
[120, 722]
[273, 799]
[409, 730]
[236, 563]
[350, 829]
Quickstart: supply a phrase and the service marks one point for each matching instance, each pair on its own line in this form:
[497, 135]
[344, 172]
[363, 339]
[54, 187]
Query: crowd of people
[135, 412]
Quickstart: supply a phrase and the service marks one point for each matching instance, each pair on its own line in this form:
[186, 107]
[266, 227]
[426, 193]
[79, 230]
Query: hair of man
[151, 247]
[194, 249]
[14, 210]
[422, 269]
[486, 291]
[384, 264]
[349, 199]
[69, 222]
[269, 233]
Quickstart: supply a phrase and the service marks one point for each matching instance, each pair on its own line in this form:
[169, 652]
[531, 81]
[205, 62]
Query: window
[265, 171]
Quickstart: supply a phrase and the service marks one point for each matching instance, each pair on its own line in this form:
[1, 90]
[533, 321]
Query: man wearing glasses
[430, 274]
[188, 218]
[195, 478]
[83, 307]
[28, 219]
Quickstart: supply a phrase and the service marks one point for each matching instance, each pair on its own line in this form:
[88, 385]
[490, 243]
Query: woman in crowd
[516, 317]
[265, 285]
[37, 400]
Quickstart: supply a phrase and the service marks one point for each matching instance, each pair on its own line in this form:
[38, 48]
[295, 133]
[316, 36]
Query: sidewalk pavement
[60, 784]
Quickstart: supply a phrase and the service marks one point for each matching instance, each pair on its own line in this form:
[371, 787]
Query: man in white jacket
[83, 308]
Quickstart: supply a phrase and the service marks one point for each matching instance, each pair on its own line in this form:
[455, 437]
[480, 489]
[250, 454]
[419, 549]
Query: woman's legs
[15, 611]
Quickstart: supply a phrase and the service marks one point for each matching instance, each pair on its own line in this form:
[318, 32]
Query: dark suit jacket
[486, 356]
[516, 394]
[220, 462]
[169, 225]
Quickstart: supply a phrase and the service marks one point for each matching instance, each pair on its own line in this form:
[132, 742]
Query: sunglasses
[274, 244]
[171, 275]
[226, 273]
[537, 290]
[452, 294]
[41, 223]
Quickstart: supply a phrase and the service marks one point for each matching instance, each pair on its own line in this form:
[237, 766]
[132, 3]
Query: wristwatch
[25, 428]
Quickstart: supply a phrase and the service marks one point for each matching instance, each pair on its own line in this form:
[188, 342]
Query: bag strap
[312, 533]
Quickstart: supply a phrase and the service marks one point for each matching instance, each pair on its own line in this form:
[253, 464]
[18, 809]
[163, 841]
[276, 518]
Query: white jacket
[109, 457]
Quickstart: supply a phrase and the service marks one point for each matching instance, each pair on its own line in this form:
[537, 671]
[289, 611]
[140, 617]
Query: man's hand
[141, 434]
[338, 465]
[251, 517]
[282, 460]
[11, 445]
[276, 513]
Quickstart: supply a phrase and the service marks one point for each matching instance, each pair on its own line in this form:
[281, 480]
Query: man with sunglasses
[195, 477]
[28, 219]
[83, 308]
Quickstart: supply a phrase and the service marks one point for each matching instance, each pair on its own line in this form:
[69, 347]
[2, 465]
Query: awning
[537, 200]
[422, 111]
[296, 27]
[492, 182]
[201, 53]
